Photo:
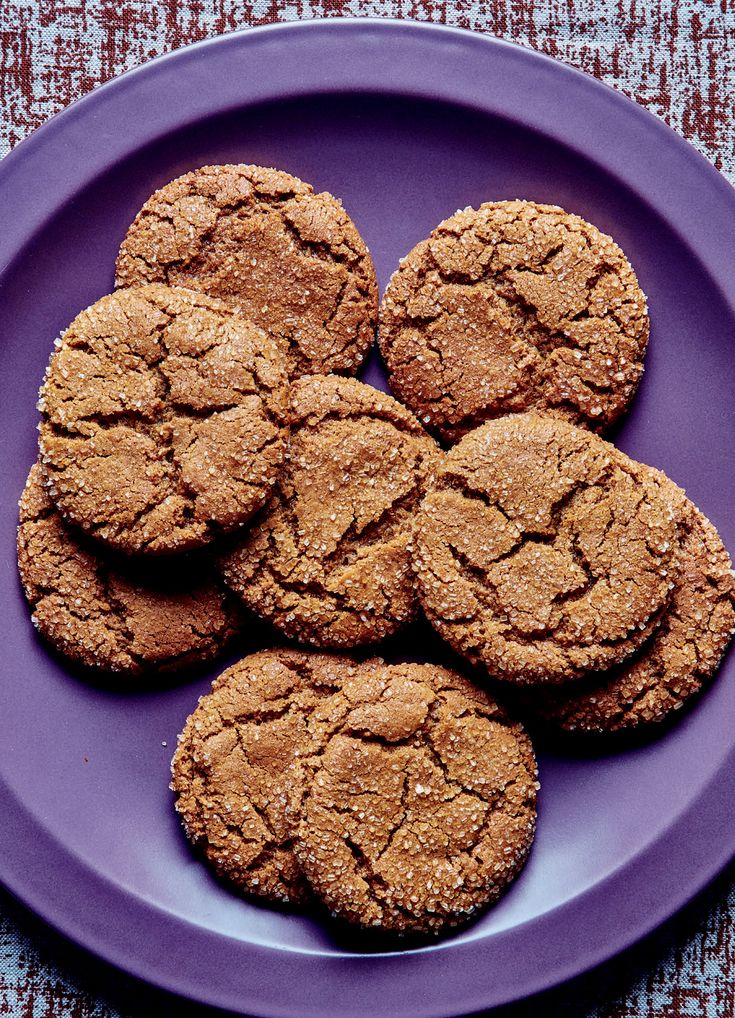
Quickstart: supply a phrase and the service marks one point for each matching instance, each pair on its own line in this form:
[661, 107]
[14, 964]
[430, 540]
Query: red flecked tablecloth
[677, 58]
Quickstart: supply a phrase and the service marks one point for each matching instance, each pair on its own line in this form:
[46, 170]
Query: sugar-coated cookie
[104, 611]
[234, 770]
[543, 552]
[418, 806]
[162, 419]
[511, 307]
[680, 657]
[327, 561]
[289, 259]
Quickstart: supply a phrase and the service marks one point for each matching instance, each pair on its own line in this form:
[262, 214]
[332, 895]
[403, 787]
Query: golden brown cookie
[117, 615]
[543, 552]
[512, 307]
[327, 561]
[290, 260]
[162, 419]
[419, 806]
[673, 665]
[235, 766]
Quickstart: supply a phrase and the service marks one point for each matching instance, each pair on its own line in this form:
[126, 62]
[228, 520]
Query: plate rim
[426, 983]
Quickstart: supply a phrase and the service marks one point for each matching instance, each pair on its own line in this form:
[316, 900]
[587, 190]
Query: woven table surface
[677, 58]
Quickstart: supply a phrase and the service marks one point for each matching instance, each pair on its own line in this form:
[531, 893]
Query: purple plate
[406, 123]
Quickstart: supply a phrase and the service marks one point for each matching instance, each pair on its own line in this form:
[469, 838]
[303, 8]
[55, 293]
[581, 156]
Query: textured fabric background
[677, 57]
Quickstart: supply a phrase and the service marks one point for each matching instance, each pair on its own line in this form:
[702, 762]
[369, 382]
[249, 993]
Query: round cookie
[514, 307]
[162, 419]
[290, 260]
[235, 766]
[543, 552]
[683, 653]
[327, 561]
[418, 808]
[116, 615]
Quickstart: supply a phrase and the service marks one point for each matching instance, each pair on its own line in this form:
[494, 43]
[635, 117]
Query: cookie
[234, 767]
[514, 307]
[103, 612]
[290, 260]
[327, 561]
[162, 420]
[543, 552]
[419, 806]
[683, 653]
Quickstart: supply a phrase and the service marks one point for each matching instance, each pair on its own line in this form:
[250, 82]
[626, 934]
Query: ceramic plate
[406, 123]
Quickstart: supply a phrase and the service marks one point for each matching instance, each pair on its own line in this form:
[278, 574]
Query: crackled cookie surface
[543, 552]
[291, 260]
[679, 658]
[418, 807]
[111, 614]
[162, 419]
[513, 307]
[234, 769]
[327, 561]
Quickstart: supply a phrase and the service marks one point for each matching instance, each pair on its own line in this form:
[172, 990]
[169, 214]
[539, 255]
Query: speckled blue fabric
[677, 57]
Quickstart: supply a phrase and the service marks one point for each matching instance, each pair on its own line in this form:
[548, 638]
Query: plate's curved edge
[687, 839]
[588, 123]
[424, 988]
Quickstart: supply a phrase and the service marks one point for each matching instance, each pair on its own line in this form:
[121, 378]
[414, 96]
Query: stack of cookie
[543, 554]
[549, 558]
[203, 455]
[166, 411]
[400, 796]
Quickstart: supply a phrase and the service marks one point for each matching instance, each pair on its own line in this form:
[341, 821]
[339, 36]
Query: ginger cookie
[513, 307]
[327, 561]
[419, 806]
[290, 260]
[234, 769]
[113, 614]
[543, 552]
[680, 657]
[162, 419]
